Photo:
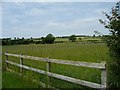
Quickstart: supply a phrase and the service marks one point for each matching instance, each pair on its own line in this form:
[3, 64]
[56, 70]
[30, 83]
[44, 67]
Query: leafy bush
[113, 42]
[48, 39]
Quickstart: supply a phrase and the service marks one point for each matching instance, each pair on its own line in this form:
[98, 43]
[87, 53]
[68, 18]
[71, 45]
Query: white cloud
[86, 20]
[78, 26]
[55, 19]
[34, 12]
[19, 3]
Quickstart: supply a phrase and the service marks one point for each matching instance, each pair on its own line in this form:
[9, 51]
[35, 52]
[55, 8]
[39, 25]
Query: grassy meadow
[17, 81]
[71, 51]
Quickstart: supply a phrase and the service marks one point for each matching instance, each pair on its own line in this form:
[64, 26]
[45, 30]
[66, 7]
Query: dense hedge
[113, 42]
[9, 41]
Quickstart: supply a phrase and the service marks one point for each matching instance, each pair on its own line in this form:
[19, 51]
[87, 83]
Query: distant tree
[93, 35]
[72, 38]
[113, 42]
[31, 40]
[17, 38]
[14, 38]
[49, 39]
[22, 38]
[43, 40]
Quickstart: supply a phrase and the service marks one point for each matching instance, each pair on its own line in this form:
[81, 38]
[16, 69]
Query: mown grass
[73, 51]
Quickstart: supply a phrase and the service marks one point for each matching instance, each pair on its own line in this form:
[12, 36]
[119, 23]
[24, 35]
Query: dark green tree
[43, 40]
[48, 39]
[72, 38]
[113, 42]
[31, 40]
[93, 35]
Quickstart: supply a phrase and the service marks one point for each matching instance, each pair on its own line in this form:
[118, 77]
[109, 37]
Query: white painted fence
[101, 66]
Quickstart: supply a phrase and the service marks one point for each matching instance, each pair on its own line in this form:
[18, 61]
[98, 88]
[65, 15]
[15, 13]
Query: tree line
[49, 39]
[18, 41]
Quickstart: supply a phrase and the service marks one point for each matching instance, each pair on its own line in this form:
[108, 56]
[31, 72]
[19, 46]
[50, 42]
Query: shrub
[48, 39]
[113, 42]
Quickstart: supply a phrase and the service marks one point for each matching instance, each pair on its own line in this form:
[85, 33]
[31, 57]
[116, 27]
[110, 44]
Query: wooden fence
[101, 66]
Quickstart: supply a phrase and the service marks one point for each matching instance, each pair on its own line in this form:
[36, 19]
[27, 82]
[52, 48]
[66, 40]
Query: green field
[72, 51]
[14, 80]
[78, 39]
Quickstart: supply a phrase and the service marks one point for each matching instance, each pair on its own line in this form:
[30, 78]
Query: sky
[37, 19]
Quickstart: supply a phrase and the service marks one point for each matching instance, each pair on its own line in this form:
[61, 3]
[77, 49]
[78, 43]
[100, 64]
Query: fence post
[48, 70]
[6, 58]
[21, 63]
[103, 77]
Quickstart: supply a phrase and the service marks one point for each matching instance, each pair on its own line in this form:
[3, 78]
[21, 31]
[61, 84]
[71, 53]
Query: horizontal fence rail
[75, 63]
[101, 66]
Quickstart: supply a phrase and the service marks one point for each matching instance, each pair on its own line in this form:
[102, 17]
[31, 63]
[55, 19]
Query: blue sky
[37, 19]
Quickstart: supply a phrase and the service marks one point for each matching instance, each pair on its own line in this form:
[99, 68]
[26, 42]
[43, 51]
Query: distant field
[72, 51]
[61, 39]
[81, 39]
[78, 39]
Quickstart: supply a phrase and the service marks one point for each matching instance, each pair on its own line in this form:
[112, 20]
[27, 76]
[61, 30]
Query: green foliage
[113, 42]
[48, 39]
[9, 41]
[72, 38]
[38, 42]
[93, 35]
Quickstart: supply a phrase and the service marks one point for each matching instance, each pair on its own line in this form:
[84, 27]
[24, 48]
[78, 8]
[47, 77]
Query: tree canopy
[48, 39]
[72, 38]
